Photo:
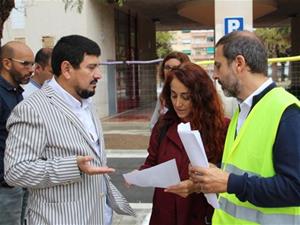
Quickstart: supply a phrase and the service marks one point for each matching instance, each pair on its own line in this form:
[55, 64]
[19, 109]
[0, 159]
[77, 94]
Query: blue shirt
[283, 189]
[10, 96]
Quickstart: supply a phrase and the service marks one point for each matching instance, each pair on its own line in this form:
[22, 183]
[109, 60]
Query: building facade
[197, 44]
[121, 34]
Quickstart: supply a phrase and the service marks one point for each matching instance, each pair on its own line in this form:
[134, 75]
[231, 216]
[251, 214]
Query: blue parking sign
[233, 23]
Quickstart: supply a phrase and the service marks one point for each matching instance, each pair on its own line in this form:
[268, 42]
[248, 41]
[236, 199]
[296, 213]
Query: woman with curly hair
[190, 96]
[170, 61]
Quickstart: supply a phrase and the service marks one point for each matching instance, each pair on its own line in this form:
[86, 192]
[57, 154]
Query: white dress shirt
[246, 105]
[29, 88]
[83, 112]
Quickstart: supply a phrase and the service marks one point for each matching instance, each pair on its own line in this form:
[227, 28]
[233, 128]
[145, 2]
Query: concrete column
[230, 9]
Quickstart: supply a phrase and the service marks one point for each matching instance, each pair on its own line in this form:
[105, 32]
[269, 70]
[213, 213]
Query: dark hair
[207, 112]
[43, 56]
[72, 48]
[181, 57]
[248, 45]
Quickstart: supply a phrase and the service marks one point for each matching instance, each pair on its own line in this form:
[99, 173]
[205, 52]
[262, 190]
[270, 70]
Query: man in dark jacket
[16, 67]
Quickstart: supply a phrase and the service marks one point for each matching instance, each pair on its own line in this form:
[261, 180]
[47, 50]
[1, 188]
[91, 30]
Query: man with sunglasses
[16, 67]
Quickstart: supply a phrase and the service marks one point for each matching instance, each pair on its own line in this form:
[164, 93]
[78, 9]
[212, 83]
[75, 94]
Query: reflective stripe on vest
[253, 214]
[251, 152]
[233, 169]
[257, 216]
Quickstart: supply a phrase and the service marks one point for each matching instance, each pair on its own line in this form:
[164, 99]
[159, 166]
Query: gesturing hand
[85, 166]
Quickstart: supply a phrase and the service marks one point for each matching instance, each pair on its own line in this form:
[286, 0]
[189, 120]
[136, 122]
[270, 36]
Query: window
[48, 41]
[210, 50]
[197, 41]
[210, 39]
[200, 51]
[186, 41]
[187, 51]
[18, 15]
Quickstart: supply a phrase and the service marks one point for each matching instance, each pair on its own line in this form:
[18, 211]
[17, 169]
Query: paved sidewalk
[127, 135]
[142, 210]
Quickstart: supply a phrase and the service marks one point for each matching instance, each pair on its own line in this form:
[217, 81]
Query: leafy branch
[78, 4]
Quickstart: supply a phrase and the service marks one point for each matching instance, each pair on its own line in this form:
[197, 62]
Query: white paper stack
[162, 175]
[193, 145]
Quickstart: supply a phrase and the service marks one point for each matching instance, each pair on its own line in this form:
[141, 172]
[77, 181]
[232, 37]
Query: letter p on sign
[232, 24]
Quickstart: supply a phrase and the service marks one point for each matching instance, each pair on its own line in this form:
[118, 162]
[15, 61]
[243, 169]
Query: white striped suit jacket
[44, 139]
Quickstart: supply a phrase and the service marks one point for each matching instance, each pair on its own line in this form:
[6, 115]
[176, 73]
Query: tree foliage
[5, 8]
[78, 4]
[276, 40]
[71, 4]
[163, 43]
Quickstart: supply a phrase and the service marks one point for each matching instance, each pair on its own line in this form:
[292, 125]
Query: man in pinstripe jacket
[55, 145]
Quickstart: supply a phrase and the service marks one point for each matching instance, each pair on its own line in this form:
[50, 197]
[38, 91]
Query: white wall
[101, 28]
[225, 9]
[49, 18]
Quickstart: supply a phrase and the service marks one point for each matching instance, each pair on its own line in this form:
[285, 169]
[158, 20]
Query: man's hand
[84, 165]
[209, 180]
[183, 189]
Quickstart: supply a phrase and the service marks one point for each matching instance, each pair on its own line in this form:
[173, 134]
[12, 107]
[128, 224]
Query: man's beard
[18, 77]
[84, 93]
[231, 88]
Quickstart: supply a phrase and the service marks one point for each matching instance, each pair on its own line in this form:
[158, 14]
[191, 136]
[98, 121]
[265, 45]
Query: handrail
[270, 60]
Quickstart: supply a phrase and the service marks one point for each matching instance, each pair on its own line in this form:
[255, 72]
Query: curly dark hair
[207, 114]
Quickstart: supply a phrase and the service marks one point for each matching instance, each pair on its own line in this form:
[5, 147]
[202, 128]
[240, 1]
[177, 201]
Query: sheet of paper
[192, 142]
[162, 175]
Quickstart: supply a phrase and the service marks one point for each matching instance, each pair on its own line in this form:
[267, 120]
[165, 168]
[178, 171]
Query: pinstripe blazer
[44, 139]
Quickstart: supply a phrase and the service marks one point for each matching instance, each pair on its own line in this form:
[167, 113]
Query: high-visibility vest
[251, 151]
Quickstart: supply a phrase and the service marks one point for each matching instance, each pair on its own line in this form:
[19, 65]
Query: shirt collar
[34, 83]
[249, 100]
[67, 97]
[5, 84]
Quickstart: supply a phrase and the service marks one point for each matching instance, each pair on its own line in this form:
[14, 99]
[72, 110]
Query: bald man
[42, 71]
[16, 67]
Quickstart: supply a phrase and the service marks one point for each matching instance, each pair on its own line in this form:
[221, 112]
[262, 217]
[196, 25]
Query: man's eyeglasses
[27, 64]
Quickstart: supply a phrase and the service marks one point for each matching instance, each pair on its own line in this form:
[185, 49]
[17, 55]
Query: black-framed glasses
[27, 64]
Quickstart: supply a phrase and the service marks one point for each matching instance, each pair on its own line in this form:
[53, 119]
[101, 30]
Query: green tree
[163, 43]
[78, 4]
[5, 8]
[277, 42]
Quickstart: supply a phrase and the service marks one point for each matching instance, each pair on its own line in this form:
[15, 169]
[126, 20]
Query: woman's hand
[183, 189]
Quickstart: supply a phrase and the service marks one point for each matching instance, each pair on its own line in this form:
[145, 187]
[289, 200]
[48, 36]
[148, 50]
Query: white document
[192, 142]
[163, 175]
